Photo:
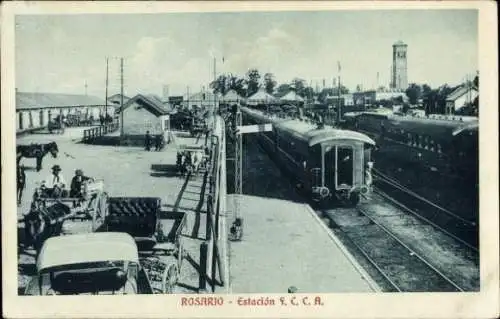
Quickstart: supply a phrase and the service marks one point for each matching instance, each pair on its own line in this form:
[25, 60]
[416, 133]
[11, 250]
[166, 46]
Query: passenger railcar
[440, 143]
[328, 163]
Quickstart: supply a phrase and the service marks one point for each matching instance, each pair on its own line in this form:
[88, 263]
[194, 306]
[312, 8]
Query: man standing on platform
[148, 141]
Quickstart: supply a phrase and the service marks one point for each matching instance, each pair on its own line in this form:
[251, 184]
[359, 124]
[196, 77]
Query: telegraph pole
[339, 116]
[121, 97]
[215, 79]
[238, 162]
[107, 82]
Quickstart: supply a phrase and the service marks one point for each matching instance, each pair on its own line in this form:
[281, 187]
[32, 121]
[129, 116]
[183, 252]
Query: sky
[60, 53]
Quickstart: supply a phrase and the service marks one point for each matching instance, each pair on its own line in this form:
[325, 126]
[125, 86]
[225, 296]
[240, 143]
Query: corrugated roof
[117, 98]
[27, 100]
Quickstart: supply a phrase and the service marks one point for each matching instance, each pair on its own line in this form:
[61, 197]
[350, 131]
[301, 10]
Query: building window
[21, 120]
[41, 118]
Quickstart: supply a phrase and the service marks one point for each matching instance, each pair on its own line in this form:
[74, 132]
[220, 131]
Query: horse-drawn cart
[56, 125]
[158, 237]
[54, 216]
[191, 160]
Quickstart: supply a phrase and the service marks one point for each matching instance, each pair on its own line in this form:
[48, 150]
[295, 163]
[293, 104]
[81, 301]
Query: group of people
[55, 185]
[158, 140]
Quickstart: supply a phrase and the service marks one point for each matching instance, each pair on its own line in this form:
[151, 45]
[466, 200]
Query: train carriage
[448, 145]
[327, 163]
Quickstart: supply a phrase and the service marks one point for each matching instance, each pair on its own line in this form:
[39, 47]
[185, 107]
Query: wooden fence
[89, 135]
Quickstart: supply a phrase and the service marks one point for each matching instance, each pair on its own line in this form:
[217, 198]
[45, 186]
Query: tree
[308, 92]
[476, 81]
[237, 84]
[269, 83]
[253, 81]
[359, 88]
[299, 85]
[220, 84]
[283, 89]
[414, 93]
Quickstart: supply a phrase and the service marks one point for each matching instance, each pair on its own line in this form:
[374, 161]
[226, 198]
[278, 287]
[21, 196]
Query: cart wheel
[170, 278]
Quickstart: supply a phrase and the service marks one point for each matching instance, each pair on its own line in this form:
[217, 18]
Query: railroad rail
[462, 230]
[91, 134]
[401, 267]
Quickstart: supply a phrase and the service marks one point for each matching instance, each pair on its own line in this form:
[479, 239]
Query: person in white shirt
[55, 184]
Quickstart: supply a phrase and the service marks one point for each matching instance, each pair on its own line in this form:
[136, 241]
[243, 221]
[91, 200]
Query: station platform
[285, 244]
[126, 172]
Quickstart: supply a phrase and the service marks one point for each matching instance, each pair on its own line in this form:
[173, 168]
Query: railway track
[462, 230]
[401, 267]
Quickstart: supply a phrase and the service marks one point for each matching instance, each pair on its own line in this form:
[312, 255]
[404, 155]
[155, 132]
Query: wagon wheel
[170, 278]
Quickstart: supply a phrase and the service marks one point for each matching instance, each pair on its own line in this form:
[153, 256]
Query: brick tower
[399, 66]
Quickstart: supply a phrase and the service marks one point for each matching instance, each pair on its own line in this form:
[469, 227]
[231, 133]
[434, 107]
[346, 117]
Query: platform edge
[373, 285]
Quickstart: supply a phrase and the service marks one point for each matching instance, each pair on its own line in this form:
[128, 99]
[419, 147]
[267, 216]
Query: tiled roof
[27, 100]
[151, 103]
[460, 91]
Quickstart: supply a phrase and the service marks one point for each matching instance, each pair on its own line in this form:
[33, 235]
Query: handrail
[98, 131]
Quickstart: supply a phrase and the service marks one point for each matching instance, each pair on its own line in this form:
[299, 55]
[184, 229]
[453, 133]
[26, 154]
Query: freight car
[328, 164]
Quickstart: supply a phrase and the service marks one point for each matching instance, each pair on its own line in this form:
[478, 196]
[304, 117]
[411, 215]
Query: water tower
[399, 80]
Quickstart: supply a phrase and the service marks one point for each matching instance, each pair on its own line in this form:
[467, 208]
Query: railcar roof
[432, 119]
[314, 135]
[310, 132]
[86, 248]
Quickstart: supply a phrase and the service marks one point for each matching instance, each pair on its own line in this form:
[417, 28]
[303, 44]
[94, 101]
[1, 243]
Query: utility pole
[238, 162]
[215, 78]
[107, 83]
[86, 87]
[339, 115]
[121, 97]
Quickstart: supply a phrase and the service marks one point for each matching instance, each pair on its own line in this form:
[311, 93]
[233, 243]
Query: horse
[21, 183]
[197, 159]
[42, 223]
[37, 151]
[181, 163]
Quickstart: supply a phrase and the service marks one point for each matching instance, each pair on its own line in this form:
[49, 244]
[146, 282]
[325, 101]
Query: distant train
[438, 142]
[328, 164]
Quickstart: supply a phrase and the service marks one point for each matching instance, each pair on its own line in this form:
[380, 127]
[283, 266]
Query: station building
[35, 110]
[144, 113]
[461, 97]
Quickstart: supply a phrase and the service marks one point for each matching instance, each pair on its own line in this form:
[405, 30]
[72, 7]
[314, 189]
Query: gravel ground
[126, 171]
[459, 263]
[449, 193]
